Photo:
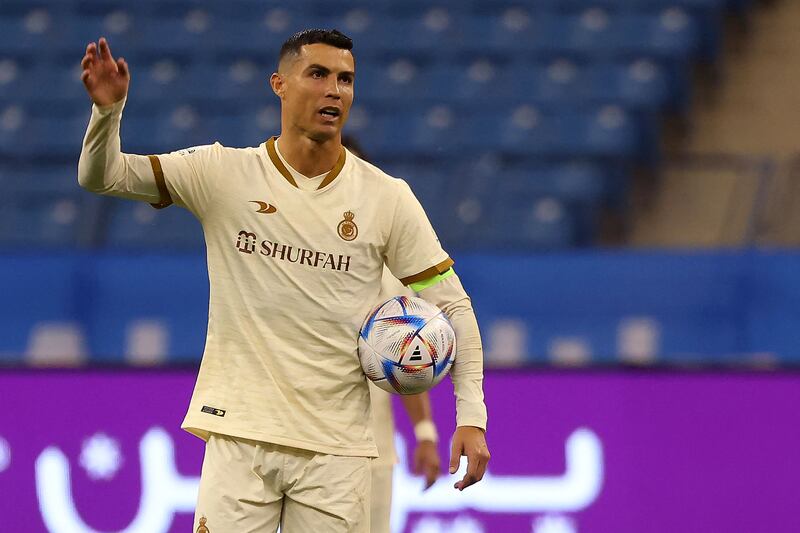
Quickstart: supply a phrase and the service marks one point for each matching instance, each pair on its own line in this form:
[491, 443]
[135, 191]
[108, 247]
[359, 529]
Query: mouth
[330, 113]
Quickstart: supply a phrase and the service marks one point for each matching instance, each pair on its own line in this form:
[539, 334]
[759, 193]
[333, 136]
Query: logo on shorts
[347, 228]
[213, 411]
[202, 527]
[246, 243]
[264, 207]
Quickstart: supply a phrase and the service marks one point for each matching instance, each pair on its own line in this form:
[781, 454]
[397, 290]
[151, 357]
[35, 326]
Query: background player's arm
[426, 456]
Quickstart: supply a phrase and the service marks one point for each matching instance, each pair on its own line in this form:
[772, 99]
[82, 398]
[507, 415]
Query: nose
[333, 89]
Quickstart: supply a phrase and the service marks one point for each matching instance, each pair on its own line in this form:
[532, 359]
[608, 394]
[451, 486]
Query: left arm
[469, 439]
[416, 258]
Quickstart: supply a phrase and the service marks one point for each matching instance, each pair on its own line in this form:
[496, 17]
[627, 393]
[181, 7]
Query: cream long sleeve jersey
[292, 274]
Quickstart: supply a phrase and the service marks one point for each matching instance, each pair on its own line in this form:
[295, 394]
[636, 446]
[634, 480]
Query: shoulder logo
[264, 207]
[202, 527]
[347, 229]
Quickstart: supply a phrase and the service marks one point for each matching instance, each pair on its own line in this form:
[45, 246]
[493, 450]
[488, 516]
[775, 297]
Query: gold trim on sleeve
[435, 270]
[165, 200]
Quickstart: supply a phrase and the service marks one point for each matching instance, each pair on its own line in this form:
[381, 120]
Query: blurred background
[618, 182]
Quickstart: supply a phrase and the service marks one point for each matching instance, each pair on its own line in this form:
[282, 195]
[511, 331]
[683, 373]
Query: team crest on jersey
[347, 228]
[202, 527]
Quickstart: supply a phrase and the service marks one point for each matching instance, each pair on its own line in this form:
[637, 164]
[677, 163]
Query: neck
[307, 156]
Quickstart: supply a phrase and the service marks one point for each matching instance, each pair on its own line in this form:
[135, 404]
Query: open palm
[106, 79]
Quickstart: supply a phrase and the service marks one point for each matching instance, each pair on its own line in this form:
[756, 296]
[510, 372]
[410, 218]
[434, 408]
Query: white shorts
[249, 486]
[381, 507]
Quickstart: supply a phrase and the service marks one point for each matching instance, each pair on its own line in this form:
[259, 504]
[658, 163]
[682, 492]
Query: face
[316, 90]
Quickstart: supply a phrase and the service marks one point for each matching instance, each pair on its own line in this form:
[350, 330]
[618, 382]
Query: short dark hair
[313, 36]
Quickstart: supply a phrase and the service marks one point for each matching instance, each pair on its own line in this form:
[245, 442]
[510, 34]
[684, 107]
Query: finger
[430, 476]
[86, 62]
[85, 77]
[105, 50]
[91, 49]
[481, 469]
[471, 476]
[455, 456]
[465, 482]
[122, 67]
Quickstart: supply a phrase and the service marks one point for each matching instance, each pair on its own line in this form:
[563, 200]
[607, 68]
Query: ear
[278, 84]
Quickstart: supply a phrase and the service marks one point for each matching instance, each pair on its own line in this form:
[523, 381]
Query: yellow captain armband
[430, 282]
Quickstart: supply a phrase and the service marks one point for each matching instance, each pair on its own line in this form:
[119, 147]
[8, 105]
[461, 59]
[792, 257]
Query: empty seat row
[605, 131]
[641, 83]
[595, 32]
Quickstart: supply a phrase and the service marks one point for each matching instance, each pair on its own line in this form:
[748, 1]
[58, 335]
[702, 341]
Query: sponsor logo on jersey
[264, 207]
[246, 243]
[213, 411]
[347, 229]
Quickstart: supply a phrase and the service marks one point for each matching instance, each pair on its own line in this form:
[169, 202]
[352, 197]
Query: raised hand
[106, 79]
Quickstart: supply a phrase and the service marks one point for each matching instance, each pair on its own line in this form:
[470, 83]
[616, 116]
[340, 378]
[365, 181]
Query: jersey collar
[273, 156]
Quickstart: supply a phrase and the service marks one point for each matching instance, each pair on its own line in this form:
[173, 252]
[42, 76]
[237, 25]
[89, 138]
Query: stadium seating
[550, 83]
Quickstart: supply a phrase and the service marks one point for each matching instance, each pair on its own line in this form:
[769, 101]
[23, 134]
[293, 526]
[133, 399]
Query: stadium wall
[720, 307]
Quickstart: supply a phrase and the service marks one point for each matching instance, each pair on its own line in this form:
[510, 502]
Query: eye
[346, 79]
[317, 74]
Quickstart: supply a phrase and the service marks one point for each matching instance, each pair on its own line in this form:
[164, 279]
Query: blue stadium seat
[246, 129]
[671, 33]
[32, 179]
[434, 31]
[560, 81]
[33, 32]
[641, 84]
[137, 225]
[12, 79]
[187, 36]
[120, 26]
[50, 89]
[523, 130]
[396, 82]
[525, 223]
[178, 128]
[571, 183]
[37, 220]
[507, 33]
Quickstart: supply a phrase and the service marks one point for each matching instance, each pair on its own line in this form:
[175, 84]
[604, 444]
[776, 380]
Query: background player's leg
[236, 494]
[381, 498]
[326, 493]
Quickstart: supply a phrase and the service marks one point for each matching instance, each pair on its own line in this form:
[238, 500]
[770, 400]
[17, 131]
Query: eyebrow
[326, 70]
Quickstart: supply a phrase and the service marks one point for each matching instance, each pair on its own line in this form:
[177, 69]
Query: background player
[280, 397]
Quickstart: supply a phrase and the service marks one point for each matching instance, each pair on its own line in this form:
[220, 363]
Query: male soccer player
[297, 232]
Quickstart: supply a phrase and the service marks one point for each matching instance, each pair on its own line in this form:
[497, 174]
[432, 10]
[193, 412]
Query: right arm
[102, 167]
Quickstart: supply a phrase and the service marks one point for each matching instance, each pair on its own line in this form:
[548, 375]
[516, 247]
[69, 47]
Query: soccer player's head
[314, 81]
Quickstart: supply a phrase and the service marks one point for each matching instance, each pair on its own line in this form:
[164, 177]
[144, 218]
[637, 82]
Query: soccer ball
[406, 345]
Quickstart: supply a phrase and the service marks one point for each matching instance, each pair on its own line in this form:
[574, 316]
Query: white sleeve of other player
[104, 169]
[413, 252]
[467, 372]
